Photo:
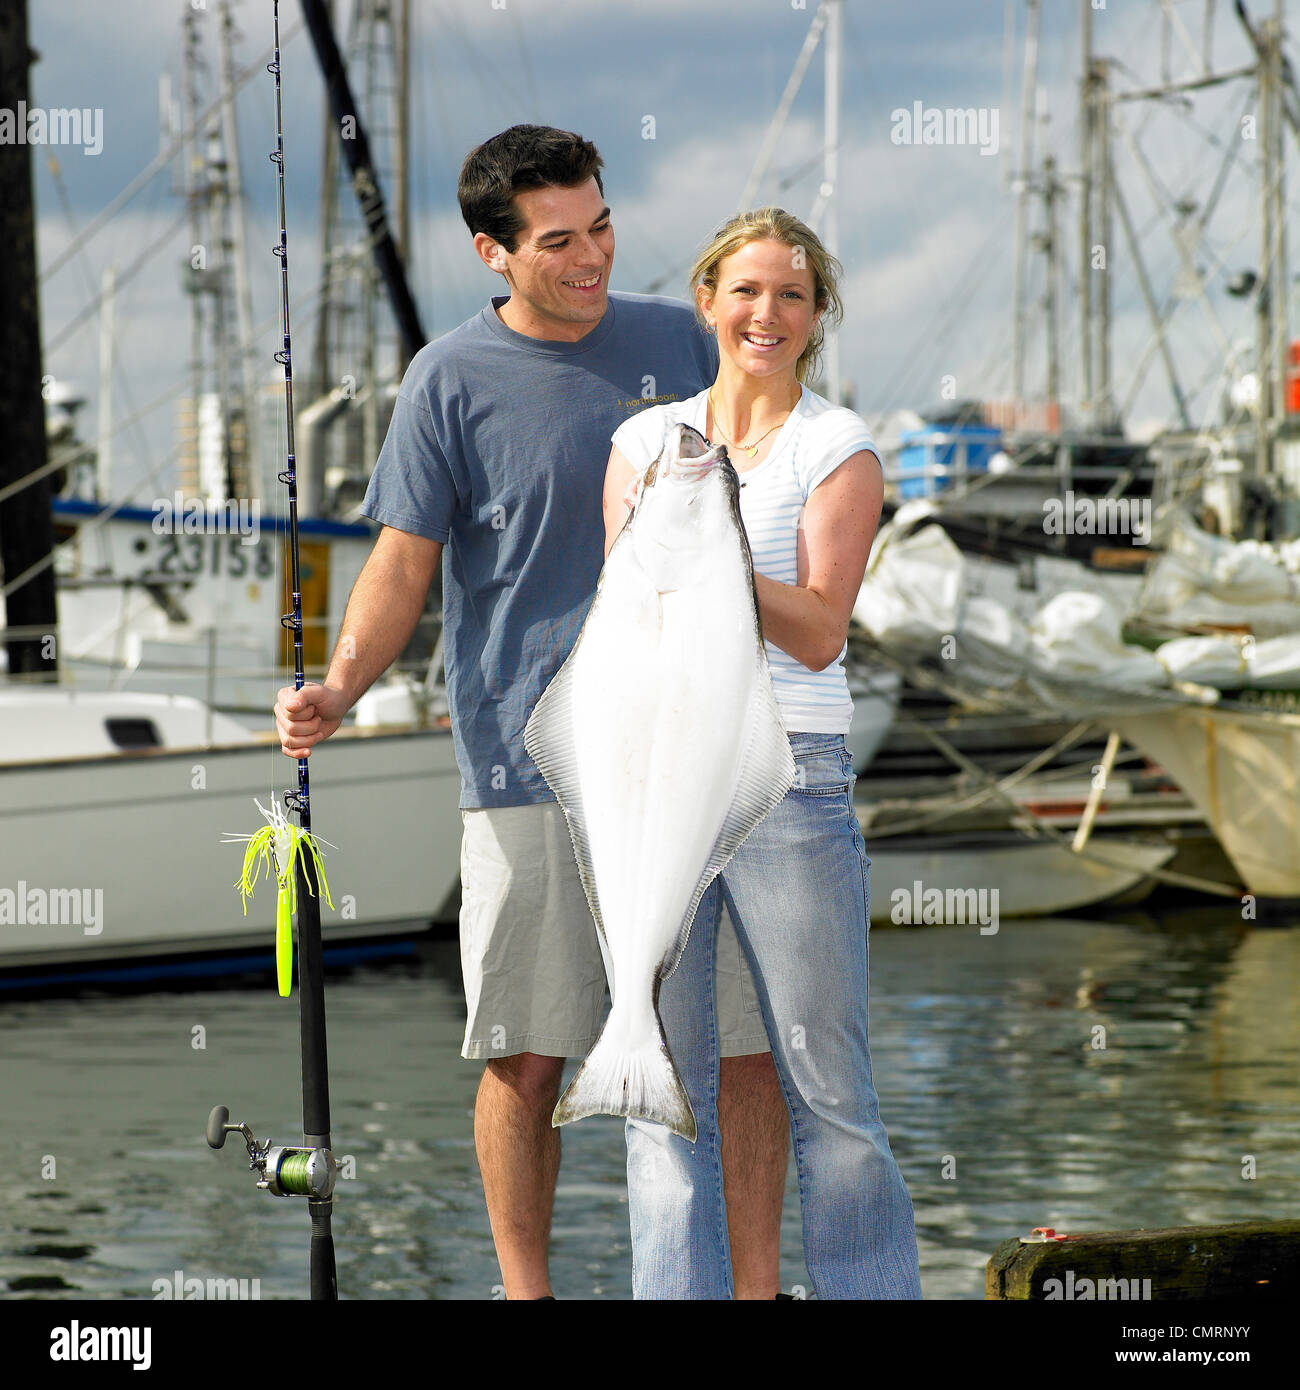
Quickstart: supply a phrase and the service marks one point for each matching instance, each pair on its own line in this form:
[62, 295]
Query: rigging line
[1171, 305]
[119, 368]
[982, 794]
[529, 75]
[1186, 258]
[679, 269]
[177, 388]
[907, 361]
[775, 126]
[86, 528]
[56, 340]
[489, 76]
[163, 159]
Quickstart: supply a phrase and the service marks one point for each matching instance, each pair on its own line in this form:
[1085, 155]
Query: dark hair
[523, 157]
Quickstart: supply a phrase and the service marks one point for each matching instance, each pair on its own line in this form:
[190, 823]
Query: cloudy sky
[926, 231]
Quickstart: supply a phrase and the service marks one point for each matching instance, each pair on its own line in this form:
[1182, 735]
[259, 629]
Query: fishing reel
[286, 1170]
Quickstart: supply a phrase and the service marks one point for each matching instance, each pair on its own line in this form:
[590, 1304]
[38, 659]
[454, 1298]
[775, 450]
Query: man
[497, 452]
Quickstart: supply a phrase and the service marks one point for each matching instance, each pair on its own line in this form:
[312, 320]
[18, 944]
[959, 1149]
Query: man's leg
[534, 994]
[519, 1156]
[755, 1128]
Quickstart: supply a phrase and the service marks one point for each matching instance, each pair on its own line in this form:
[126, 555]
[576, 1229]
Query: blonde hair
[775, 224]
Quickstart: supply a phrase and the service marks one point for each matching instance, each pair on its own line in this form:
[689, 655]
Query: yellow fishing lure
[276, 848]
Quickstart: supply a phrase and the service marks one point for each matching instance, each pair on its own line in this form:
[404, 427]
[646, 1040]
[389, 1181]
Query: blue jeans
[797, 893]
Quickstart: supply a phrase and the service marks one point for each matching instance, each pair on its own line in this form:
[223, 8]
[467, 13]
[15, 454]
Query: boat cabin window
[133, 733]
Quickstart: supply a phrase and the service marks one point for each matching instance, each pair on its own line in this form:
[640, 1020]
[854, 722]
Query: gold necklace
[750, 449]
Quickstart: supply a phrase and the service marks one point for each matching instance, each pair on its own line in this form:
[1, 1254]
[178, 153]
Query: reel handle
[219, 1126]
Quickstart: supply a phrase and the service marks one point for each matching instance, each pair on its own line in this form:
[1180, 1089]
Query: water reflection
[1078, 1074]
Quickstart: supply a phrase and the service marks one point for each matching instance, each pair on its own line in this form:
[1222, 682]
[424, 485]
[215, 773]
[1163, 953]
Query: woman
[796, 890]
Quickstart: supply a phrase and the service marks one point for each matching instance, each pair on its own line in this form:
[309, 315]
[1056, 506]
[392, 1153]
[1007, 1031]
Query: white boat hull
[1242, 772]
[146, 830]
[1030, 878]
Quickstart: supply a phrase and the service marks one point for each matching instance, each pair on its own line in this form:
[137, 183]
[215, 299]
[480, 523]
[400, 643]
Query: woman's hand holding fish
[622, 483]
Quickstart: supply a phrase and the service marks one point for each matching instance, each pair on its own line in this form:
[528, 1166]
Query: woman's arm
[810, 619]
[619, 476]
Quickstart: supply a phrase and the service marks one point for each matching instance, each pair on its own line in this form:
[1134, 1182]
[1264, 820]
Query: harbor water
[1085, 1075]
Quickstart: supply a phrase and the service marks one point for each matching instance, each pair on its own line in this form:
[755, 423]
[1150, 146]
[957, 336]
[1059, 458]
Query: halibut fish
[663, 743]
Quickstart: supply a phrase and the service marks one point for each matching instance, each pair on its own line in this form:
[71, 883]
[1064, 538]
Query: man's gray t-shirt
[497, 448]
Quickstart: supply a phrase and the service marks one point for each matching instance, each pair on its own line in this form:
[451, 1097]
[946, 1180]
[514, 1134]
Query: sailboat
[120, 782]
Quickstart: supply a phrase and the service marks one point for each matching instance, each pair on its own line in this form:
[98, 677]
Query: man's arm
[383, 609]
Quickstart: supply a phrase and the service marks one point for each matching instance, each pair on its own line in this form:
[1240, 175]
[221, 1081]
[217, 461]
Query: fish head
[687, 505]
[686, 463]
[689, 454]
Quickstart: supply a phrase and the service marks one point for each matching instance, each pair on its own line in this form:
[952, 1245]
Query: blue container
[934, 457]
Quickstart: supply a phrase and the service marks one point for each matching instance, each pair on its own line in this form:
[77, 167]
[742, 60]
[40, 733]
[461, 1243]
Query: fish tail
[639, 1082]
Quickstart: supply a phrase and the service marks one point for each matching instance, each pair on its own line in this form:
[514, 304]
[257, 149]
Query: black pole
[365, 182]
[311, 982]
[26, 526]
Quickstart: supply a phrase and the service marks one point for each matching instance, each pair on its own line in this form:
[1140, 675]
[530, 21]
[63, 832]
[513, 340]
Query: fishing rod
[308, 1170]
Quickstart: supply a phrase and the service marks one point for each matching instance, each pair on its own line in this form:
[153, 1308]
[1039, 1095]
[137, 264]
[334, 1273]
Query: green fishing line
[292, 1174]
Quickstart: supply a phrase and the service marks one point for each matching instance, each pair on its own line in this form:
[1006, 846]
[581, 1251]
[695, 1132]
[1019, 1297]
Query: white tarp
[914, 599]
[1205, 580]
[1078, 634]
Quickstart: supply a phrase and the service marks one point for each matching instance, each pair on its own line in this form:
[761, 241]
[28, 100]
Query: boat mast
[321, 383]
[401, 153]
[104, 422]
[1028, 103]
[355, 270]
[830, 176]
[190, 481]
[1280, 279]
[1103, 233]
[26, 525]
[1270, 319]
[239, 256]
[1087, 180]
[1048, 243]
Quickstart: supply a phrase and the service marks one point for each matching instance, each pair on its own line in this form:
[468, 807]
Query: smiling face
[763, 308]
[559, 271]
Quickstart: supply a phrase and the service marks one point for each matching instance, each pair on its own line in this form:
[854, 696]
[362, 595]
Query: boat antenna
[291, 853]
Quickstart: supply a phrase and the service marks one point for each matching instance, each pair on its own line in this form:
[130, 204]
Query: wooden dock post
[1250, 1260]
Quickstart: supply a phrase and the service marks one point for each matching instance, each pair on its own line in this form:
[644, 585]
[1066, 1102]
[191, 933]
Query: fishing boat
[97, 789]
[1217, 709]
[1039, 492]
[158, 736]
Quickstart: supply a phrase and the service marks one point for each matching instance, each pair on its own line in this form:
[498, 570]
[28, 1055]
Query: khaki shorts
[531, 957]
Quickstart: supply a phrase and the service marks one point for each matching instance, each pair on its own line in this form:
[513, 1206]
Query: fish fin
[549, 742]
[641, 1083]
[767, 774]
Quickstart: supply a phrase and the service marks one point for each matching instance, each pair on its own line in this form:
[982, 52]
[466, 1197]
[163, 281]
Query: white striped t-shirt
[815, 439]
